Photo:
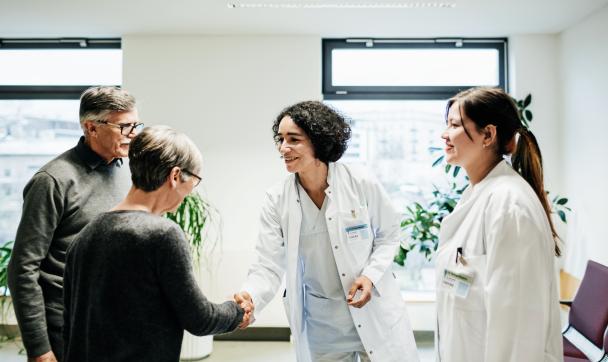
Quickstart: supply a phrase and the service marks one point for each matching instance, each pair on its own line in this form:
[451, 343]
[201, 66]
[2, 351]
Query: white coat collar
[502, 168]
[331, 172]
[451, 223]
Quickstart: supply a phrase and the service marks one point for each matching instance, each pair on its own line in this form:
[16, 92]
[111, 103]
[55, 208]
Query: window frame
[32, 92]
[331, 92]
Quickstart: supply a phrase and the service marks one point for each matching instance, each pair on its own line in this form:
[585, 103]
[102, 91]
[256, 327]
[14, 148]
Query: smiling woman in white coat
[497, 294]
[332, 233]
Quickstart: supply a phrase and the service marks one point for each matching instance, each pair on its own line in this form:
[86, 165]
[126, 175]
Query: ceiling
[113, 18]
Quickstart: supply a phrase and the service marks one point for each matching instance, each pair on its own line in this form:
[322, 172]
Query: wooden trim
[568, 285]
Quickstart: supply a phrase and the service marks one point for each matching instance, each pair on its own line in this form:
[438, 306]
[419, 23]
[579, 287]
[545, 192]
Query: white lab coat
[511, 312]
[353, 198]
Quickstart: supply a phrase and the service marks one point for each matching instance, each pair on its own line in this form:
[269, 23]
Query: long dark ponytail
[486, 106]
[528, 161]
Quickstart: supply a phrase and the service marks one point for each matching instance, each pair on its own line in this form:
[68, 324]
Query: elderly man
[59, 200]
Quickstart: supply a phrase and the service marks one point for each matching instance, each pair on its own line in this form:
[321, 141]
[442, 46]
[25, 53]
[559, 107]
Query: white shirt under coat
[511, 312]
[329, 325]
[352, 198]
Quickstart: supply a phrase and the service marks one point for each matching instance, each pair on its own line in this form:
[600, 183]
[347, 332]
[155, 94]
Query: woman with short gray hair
[129, 287]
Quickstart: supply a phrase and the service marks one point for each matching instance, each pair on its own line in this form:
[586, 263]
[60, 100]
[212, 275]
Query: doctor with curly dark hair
[332, 232]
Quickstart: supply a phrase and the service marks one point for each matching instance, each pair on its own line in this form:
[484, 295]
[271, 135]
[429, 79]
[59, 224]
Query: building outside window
[40, 86]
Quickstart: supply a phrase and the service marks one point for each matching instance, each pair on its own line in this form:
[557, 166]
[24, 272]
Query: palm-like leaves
[192, 216]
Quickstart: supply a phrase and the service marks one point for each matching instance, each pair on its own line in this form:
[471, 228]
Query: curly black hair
[327, 129]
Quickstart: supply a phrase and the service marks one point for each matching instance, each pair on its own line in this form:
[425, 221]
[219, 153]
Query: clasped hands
[243, 299]
[362, 283]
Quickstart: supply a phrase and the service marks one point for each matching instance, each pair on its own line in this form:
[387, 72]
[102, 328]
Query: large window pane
[32, 132]
[59, 67]
[415, 67]
[393, 140]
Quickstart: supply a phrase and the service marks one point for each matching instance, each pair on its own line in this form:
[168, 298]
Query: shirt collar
[92, 159]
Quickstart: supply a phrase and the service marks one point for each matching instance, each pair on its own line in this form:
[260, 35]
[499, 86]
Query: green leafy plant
[525, 115]
[558, 206]
[421, 223]
[6, 251]
[194, 216]
[7, 332]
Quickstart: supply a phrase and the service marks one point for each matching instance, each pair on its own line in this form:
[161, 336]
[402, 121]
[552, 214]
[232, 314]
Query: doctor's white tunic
[511, 311]
[329, 326]
[363, 229]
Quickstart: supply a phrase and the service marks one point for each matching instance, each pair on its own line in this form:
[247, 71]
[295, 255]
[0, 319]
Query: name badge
[457, 283]
[357, 232]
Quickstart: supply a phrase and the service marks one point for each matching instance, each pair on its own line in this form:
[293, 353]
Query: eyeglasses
[126, 128]
[195, 175]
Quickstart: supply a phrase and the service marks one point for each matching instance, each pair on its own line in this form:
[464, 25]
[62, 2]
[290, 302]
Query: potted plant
[196, 217]
[8, 322]
[421, 222]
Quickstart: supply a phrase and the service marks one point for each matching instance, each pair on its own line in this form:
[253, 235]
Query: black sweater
[129, 292]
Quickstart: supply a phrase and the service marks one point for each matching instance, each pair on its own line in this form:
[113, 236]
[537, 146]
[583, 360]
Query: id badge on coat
[357, 232]
[458, 281]
[356, 226]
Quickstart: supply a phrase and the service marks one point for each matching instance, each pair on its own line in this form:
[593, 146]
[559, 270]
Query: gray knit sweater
[129, 292]
[58, 202]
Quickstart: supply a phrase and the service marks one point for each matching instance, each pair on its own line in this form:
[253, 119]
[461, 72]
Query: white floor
[231, 351]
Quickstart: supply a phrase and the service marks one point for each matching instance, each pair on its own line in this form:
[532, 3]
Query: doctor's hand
[243, 299]
[363, 284]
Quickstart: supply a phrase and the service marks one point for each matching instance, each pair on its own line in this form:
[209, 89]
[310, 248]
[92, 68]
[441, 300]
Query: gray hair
[155, 151]
[97, 102]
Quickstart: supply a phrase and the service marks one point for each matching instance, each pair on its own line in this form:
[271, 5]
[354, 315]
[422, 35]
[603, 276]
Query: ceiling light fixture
[338, 5]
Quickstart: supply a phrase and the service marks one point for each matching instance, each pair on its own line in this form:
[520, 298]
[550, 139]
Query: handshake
[243, 299]
[359, 295]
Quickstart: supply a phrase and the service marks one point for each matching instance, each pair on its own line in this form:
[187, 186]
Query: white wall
[533, 69]
[584, 95]
[225, 92]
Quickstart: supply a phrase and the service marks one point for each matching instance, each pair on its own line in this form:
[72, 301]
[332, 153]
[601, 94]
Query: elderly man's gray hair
[97, 102]
[155, 151]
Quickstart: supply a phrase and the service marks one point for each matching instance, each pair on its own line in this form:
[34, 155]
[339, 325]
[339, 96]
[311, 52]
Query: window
[410, 69]
[40, 85]
[395, 92]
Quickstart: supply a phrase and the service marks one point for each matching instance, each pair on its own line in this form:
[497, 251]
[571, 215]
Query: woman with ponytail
[496, 283]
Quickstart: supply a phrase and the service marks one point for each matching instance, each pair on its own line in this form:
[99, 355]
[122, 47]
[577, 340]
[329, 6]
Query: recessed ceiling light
[342, 5]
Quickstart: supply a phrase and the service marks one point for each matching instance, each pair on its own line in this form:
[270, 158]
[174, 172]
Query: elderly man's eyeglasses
[126, 128]
[198, 178]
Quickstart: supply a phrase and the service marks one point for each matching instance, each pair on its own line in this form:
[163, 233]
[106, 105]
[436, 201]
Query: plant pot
[196, 348]
[8, 322]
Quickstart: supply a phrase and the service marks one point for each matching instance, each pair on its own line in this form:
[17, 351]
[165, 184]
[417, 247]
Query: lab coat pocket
[321, 311]
[286, 302]
[389, 305]
[475, 267]
[470, 314]
[287, 307]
